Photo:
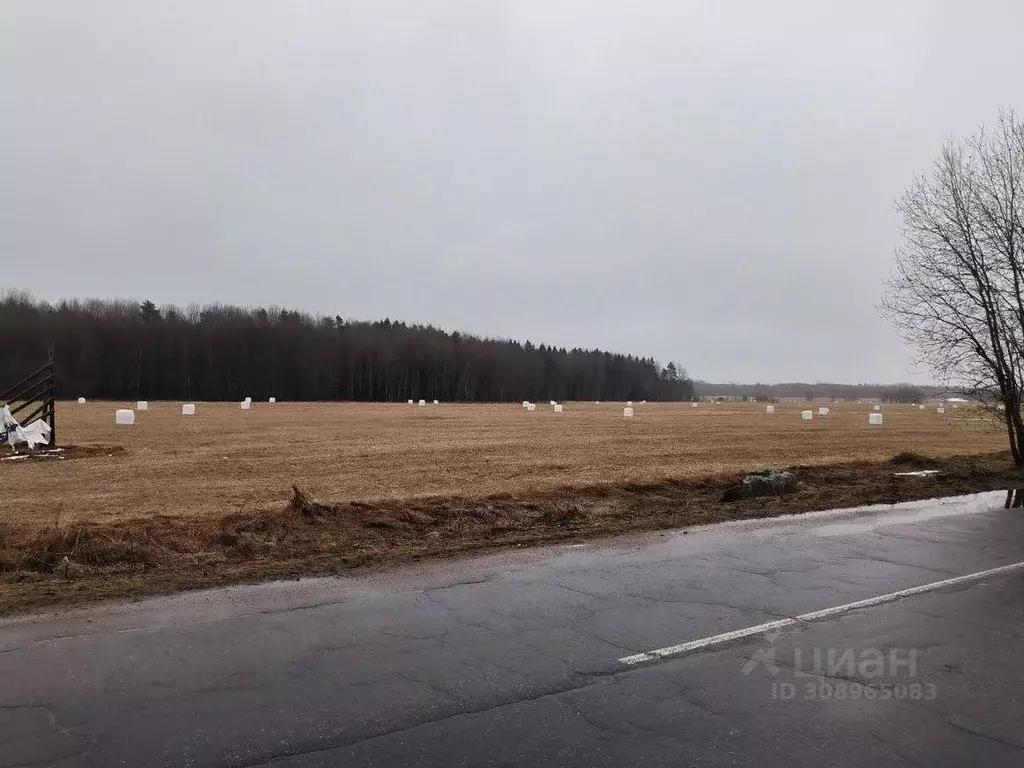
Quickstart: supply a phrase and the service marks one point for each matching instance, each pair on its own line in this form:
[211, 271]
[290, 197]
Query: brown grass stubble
[177, 502]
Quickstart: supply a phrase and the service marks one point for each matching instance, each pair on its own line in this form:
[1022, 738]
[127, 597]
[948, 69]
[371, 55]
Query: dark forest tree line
[897, 393]
[121, 350]
[903, 393]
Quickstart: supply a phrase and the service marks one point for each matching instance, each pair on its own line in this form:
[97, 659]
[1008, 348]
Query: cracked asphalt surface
[513, 659]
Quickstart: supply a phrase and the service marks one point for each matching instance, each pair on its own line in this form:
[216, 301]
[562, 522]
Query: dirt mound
[63, 453]
[911, 459]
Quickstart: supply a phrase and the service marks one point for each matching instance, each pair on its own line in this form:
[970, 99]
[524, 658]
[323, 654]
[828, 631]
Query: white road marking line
[824, 613]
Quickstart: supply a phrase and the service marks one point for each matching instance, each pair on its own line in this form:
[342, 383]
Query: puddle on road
[919, 511]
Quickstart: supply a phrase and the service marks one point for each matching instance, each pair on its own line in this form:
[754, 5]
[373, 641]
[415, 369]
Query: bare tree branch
[956, 290]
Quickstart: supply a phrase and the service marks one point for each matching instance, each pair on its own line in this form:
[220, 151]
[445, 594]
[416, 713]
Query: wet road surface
[545, 657]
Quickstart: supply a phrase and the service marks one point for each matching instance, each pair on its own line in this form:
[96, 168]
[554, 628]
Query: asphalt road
[543, 657]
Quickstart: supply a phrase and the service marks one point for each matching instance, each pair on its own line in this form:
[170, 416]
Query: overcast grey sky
[710, 182]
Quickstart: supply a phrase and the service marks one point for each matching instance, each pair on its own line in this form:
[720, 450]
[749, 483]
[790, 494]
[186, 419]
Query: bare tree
[956, 291]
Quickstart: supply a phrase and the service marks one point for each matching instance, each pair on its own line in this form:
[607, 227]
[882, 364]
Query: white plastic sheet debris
[12, 433]
[874, 418]
[36, 433]
[807, 415]
[627, 413]
[142, 405]
[124, 416]
[918, 473]
[188, 409]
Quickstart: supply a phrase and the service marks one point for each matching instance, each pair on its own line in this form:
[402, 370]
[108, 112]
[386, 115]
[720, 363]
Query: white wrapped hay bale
[920, 407]
[627, 413]
[248, 400]
[142, 405]
[694, 403]
[423, 402]
[272, 400]
[412, 402]
[246, 405]
[940, 410]
[643, 402]
[531, 407]
[125, 416]
[874, 418]
[81, 401]
[629, 403]
[807, 415]
[436, 403]
[188, 409]
[557, 407]
[770, 409]
[526, 404]
[551, 402]
[878, 407]
[823, 411]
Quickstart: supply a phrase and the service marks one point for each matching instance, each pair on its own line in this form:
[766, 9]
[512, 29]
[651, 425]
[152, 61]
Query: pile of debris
[768, 482]
[13, 434]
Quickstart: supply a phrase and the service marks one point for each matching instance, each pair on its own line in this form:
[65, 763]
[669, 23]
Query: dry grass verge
[67, 562]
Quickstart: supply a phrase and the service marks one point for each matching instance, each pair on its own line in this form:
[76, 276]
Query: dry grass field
[199, 477]
[225, 459]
